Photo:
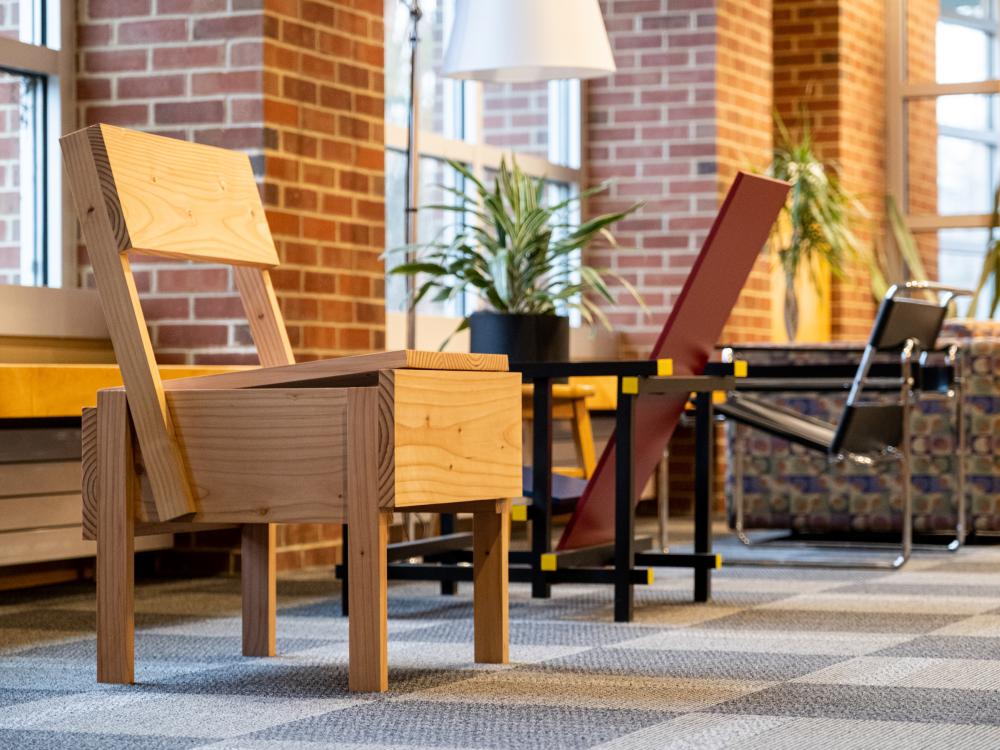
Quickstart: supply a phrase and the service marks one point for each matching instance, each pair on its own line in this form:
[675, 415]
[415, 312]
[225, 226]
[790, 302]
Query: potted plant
[519, 257]
[815, 225]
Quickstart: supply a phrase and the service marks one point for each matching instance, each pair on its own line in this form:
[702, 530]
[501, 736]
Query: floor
[779, 659]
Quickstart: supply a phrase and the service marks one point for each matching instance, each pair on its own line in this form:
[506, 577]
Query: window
[36, 107]
[469, 122]
[957, 104]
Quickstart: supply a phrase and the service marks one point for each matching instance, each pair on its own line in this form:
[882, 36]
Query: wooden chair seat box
[348, 440]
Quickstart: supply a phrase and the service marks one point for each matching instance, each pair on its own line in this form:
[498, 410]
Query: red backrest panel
[688, 338]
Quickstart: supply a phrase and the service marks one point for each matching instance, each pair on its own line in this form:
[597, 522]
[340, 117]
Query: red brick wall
[298, 86]
[324, 171]
[651, 127]
[689, 105]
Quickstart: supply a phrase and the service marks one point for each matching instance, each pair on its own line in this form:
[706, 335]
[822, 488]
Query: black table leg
[448, 588]
[343, 580]
[703, 477]
[624, 505]
[541, 489]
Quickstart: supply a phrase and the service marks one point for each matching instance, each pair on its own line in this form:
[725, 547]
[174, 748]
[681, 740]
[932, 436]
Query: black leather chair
[868, 431]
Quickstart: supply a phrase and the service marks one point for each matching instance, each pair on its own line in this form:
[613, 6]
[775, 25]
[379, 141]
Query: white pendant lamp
[518, 41]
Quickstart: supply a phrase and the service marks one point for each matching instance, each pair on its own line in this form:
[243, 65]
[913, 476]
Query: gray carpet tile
[29, 739]
[436, 724]
[778, 660]
[947, 647]
[854, 622]
[888, 588]
[167, 648]
[548, 634]
[687, 664]
[885, 703]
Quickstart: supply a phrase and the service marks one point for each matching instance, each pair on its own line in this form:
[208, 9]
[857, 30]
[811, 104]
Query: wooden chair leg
[257, 561]
[115, 542]
[367, 599]
[491, 541]
[368, 527]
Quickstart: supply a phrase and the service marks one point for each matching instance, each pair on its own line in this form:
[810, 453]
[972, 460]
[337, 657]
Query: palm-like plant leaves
[819, 211]
[515, 253]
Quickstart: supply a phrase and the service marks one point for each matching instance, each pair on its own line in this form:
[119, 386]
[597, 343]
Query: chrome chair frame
[953, 357]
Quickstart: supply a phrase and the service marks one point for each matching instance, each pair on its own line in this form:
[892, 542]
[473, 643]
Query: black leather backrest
[868, 428]
[901, 318]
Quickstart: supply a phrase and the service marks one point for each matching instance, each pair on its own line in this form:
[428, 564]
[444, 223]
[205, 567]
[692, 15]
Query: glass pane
[960, 262]
[963, 53]
[964, 176]
[440, 98]
[432, 224]
[966, 111]
[22, 20]
[966, 8]
[21, 175]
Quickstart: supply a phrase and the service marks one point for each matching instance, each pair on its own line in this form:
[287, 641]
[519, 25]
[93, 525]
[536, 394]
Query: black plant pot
[523, 338]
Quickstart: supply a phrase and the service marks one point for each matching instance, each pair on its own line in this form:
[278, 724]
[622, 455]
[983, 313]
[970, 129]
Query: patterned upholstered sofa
[789, 487]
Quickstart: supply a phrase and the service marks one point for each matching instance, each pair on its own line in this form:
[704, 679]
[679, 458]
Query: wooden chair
[344, 440]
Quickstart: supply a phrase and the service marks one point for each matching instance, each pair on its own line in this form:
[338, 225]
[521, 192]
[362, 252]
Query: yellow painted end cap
[664, 367]
[740, 368]
[649, 576]
[630, 385]
[550, 562]
[718, 562]
[519, 513]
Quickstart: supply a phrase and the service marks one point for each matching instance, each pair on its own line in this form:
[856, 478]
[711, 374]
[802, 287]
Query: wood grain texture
[264, 316]
[369, 534]
[61, 543]
[94, 194]
[188, 200]
[264, 454]
[324, 369]
[456, 437]
[258, 540]
[257, 563]
[115, 551]
[89, 473]
[491, 545]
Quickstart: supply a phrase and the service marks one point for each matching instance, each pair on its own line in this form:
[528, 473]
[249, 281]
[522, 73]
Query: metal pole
[412, 171]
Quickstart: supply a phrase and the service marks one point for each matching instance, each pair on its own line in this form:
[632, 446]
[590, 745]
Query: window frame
[53, 61]
[900, 92]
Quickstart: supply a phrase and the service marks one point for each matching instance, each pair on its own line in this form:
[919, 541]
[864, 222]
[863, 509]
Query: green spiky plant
[990, 274]
[817, 216]
[515, 254]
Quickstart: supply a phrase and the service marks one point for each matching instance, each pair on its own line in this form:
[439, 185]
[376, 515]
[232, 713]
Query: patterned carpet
[780, 659]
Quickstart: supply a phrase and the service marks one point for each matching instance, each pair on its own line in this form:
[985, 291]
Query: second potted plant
[522, 260]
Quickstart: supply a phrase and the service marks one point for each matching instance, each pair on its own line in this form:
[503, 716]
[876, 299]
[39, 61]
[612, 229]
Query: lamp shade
[518, 41]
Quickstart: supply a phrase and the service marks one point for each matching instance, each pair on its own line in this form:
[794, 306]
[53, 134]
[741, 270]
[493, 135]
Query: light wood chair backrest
[161, 196]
